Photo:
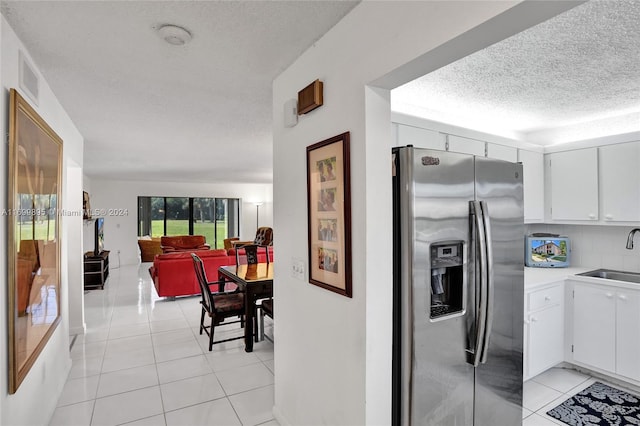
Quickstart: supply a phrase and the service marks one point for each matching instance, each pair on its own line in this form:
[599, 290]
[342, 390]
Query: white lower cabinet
[628, 333]
[594, 326]
[543, 329]
[606, 328]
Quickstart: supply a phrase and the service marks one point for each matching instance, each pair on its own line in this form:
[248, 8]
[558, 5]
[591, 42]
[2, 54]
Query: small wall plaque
[310, 97]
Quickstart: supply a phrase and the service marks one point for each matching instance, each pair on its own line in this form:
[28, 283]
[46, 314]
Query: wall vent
[29, 81]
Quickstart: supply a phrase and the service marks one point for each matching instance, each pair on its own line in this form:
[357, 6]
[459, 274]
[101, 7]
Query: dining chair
[264, 238]
[217, 305]
[251, 253]
[266, 308]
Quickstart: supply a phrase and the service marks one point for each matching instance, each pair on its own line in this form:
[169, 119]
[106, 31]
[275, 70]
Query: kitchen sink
[608, 274]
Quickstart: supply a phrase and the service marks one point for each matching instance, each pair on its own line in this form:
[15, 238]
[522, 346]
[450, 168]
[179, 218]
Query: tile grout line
[112, 301]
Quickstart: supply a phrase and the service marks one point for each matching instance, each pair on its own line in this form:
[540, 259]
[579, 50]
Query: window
[215, 218]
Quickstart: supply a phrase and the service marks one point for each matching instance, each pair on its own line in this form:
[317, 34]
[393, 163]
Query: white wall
[73, 202]
[35, 400]
[333, 354]
[120, 232]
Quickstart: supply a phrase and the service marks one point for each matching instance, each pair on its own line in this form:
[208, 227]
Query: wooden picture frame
[34, 196]
[86, 206]
[329, 214]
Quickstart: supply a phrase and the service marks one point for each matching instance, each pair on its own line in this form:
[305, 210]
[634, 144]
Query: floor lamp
[257, 213]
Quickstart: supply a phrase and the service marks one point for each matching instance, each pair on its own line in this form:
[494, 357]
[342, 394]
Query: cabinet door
[465, 145]
[594, 326]
[501, 152]
[420, 138]
[533, 184]
[546, 339]
[574, 184]
[628, 334]
[526, 349]
[619, 177]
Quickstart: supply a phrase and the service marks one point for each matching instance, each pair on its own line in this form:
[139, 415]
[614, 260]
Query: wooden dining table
[256, 281]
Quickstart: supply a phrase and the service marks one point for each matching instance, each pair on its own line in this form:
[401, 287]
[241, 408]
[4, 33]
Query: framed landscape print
[35, 172]
[329, 214]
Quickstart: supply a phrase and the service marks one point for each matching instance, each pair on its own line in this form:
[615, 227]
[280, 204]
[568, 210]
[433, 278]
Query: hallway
[142, 362]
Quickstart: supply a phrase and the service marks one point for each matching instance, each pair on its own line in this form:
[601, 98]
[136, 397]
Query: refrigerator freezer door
[437, 380]
[498, 399]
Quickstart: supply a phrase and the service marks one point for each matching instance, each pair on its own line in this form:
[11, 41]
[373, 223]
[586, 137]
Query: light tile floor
[142, 362]
[548, 390]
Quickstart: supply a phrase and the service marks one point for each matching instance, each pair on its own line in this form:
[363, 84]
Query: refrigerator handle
[480, 280]
[489, 280]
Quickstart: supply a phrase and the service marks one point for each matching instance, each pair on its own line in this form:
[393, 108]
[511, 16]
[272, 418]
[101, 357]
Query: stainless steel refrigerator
[458, 289]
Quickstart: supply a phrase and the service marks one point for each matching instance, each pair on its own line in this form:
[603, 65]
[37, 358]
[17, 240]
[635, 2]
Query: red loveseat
[173, 274]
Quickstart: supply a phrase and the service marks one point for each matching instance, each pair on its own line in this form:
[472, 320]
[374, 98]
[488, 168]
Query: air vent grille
[29, 81]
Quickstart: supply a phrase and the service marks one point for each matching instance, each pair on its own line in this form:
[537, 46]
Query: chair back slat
[251, 253]
[207, 297]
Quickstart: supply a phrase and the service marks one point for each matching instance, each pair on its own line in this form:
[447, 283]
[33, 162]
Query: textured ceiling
[150, 110]
[580, 67]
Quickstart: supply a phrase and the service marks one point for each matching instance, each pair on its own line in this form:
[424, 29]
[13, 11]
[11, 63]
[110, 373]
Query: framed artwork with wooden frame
[34, 196]
[329, 214]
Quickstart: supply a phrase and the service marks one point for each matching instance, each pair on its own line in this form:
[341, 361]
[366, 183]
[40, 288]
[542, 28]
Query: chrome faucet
[630, 238]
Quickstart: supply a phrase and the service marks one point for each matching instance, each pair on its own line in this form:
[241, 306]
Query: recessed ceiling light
[174, 34]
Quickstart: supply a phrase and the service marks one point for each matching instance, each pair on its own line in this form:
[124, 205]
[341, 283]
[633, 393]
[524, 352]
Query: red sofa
[173, 274]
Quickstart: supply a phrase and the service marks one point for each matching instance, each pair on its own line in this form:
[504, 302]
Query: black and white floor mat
[600, 405]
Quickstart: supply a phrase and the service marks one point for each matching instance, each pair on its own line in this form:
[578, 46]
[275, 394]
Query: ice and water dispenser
[446, 279]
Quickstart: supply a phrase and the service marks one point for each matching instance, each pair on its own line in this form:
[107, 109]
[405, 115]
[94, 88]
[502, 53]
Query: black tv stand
[96, 269]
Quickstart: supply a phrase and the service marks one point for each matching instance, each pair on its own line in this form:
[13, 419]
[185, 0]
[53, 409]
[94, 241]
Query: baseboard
[280, 417]
[78, 330]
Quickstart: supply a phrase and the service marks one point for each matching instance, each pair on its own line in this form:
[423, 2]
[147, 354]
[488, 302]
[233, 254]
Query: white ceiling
[202, 112]
[153, 111]
[575, 76]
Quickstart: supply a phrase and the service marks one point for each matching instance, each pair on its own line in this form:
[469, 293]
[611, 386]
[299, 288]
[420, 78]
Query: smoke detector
[174, 34]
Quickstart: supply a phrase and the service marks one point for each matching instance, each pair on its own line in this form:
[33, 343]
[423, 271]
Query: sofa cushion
[183, 243]
[187, 254]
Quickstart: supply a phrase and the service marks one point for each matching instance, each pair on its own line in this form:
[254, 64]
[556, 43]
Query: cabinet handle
[526, 321]
[547, 298]
[622, 297]
[609, 295]
[592, 216]
[608, 216]
[534, 319]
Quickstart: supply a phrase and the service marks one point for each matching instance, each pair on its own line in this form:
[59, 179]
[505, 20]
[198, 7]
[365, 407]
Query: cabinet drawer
[547, 297]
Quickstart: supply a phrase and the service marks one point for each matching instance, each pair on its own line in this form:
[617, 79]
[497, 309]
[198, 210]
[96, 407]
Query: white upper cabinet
[465, 145]
[533, 183]
[620, 182]
[420, 138]
[574, 184]
[502, 152]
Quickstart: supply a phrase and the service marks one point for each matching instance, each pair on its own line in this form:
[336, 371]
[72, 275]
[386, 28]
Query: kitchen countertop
[535, 277]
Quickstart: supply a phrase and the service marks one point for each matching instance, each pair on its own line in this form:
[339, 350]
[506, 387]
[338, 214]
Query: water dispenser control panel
[446, 280]
[446, 255]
